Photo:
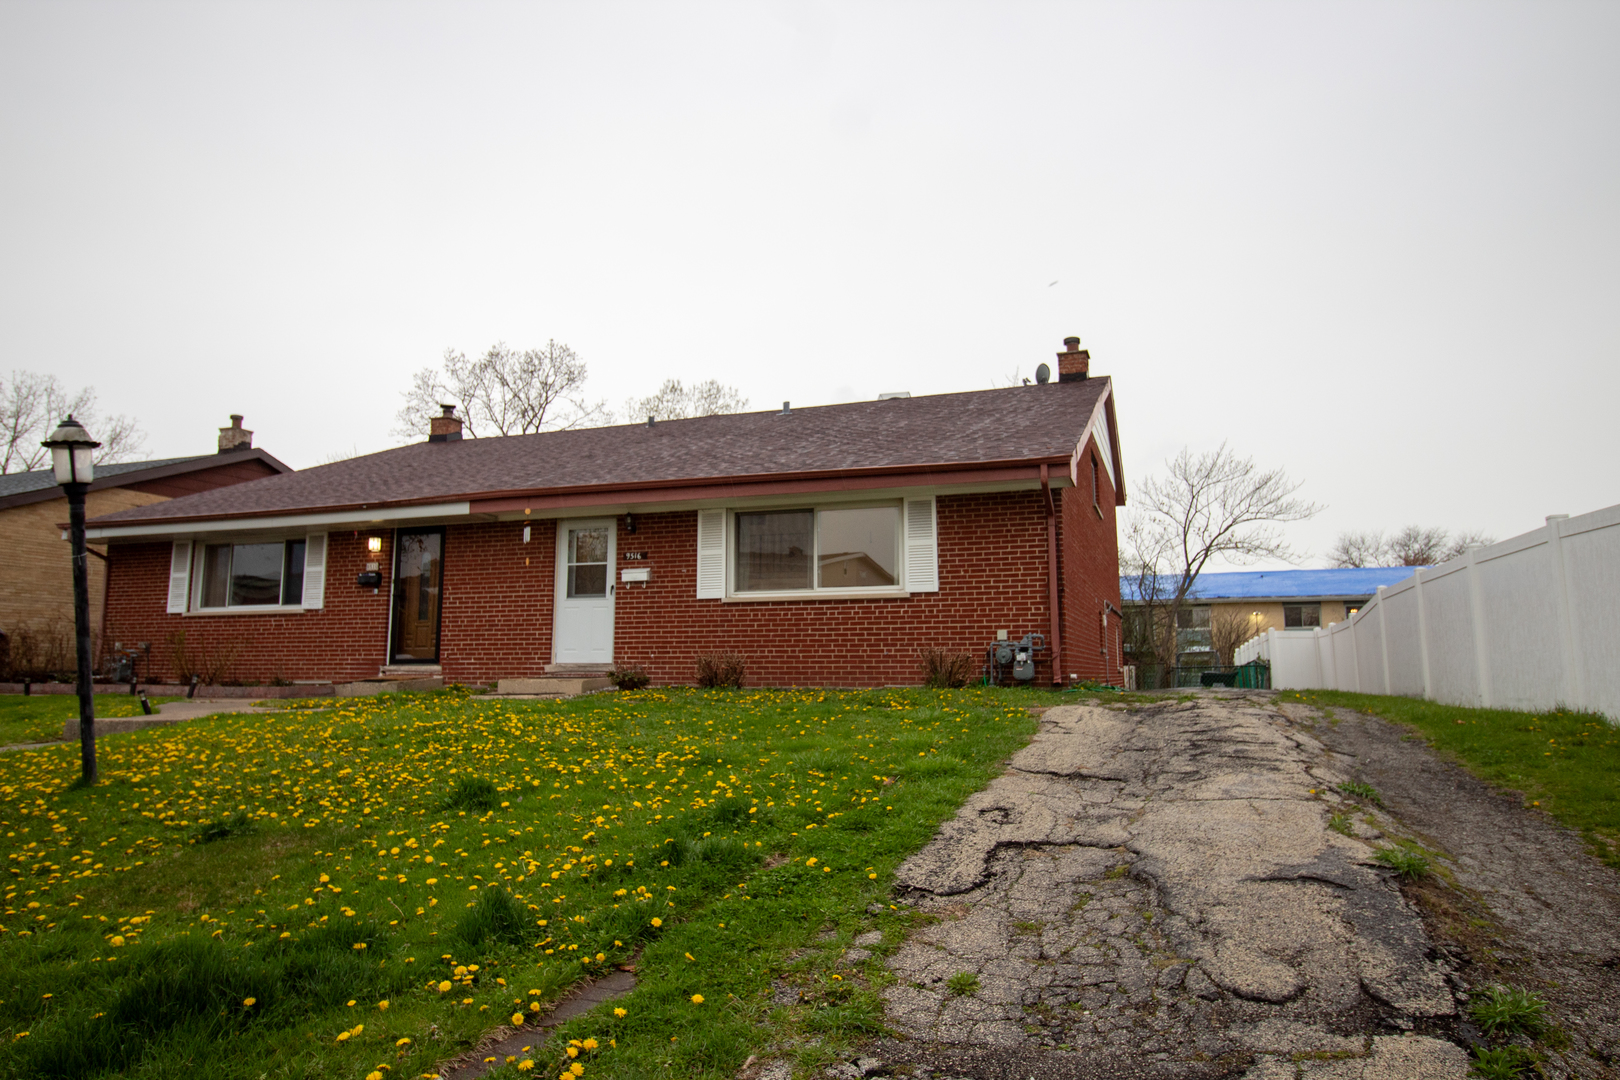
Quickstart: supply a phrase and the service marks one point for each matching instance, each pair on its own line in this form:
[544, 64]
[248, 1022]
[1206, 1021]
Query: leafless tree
[32, 405]
[1208, 505]
[1412, 546]
[1354, 549]
[1229, 627]
[673, 401]
[504, 392]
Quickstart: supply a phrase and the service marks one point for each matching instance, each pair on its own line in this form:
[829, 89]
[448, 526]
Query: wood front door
[418, 586]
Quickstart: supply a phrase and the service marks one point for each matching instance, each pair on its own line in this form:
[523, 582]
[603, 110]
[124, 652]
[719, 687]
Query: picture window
[251, 575]
[811, 549]
[1301, 616]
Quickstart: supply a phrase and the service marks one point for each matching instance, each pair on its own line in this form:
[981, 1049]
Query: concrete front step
[373, 687]
[554, 686]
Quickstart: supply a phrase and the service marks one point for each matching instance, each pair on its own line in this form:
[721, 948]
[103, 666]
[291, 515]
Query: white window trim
[897, 591]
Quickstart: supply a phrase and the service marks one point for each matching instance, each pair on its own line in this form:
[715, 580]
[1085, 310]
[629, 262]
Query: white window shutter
[179, 577]
[314, 570]
[711, 555]
[922, 546]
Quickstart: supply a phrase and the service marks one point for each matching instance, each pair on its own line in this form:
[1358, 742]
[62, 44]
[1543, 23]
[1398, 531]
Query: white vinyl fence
[1528, 623]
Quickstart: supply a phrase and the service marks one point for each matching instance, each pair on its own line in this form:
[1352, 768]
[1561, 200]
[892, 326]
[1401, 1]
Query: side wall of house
[499, 599]
[38, 591]
[1089, 560]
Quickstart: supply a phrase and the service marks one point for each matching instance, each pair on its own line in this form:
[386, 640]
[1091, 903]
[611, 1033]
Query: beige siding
[38, 571]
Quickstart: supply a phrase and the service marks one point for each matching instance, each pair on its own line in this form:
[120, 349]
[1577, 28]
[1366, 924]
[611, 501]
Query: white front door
[585, 559]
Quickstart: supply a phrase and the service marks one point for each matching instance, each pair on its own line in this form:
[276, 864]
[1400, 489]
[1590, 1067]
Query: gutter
[1056, 602]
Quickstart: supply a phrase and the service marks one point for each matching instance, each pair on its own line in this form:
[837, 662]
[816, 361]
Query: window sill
[267, 609]
[819, 594]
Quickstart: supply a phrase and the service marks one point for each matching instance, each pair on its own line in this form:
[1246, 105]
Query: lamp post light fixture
[73, 461]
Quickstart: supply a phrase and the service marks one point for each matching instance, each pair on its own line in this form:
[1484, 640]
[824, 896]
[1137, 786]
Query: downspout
[1052, 579]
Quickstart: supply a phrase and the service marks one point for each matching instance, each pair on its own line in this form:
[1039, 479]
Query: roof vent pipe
[787, 408]
[445, 428]
[649, 421]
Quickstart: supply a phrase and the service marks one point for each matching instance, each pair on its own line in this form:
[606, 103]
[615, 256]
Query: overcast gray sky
[1378, 244]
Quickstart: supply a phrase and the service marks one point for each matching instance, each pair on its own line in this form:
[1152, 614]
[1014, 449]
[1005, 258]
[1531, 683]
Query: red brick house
[826, 545]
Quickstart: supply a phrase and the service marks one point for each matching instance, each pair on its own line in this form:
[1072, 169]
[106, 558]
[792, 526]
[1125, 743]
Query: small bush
[472, 793]
[720, 671]
[962, 984]
[494, 916]
[943, 669]
[1508, 1010]
[230, 825]
[629, 677]
[1404, 861]
[1356, 789]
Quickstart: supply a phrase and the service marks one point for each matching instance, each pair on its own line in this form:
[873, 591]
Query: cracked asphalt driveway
[1159, 890]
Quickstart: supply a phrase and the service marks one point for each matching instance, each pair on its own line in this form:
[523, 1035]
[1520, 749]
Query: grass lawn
[1566, 763]
[39, 717]
[365, 887]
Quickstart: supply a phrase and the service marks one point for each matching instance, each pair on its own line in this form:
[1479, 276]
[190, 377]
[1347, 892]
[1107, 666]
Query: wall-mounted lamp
[374, 544]
[629, 523]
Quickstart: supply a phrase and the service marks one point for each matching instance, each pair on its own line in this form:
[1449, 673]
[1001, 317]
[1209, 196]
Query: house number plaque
[635, 556]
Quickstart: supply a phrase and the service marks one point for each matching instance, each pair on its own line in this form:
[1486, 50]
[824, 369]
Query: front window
[251, 575]
[1301, 616]
[811, 549]
[1192, 629]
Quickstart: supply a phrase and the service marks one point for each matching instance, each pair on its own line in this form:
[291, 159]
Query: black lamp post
[73, 461]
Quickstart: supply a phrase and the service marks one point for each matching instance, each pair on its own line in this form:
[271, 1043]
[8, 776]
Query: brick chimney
[446, 428]
[234, 438]
[1074, 363]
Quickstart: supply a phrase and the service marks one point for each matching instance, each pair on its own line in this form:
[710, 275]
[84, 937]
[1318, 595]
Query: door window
[418, 585]
[587, 562]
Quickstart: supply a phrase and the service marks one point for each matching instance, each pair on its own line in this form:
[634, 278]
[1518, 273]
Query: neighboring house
[826, 545]
[38, 574]
[1223, 610]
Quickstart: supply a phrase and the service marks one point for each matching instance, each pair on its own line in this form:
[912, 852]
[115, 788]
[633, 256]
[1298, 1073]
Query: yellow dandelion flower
[403, 1042]
[383, 1005]
[576, 1069]
[572, 1051]
[525, 1065]
[657, 922]
[517, 1019]
[444, 987]
[359, 945]
[619, 1013]
[374, 1075]
[697, 999]
[590, 1044]
[249, 1002]
[343, 1036]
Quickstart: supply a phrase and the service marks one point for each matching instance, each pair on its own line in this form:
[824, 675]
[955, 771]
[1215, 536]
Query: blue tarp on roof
[1357, 582]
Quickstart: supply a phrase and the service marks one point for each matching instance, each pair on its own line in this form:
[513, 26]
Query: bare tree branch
[674, 401]
[1353, 549]
[504, 392]
[31, 405]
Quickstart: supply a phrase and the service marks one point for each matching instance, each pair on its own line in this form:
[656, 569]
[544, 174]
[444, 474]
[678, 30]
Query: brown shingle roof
[1040, 422]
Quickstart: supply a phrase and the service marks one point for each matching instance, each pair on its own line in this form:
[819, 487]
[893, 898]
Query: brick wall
[1089, 561]
[499, 592]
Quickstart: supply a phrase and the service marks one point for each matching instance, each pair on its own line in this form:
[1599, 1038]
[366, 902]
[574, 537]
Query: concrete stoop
[553, 686]
[385, 685]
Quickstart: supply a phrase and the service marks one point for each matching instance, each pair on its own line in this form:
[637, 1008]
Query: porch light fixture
[73, 462]
[374, 544]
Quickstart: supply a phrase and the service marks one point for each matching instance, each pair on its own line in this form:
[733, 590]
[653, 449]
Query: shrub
[942, 668]
[472, 793]
[42, 652]
[720, 670]
[195, 656]
[629, 677]
[1508, 1010]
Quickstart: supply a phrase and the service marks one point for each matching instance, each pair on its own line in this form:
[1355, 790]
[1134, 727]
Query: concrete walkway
[1156, 892]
